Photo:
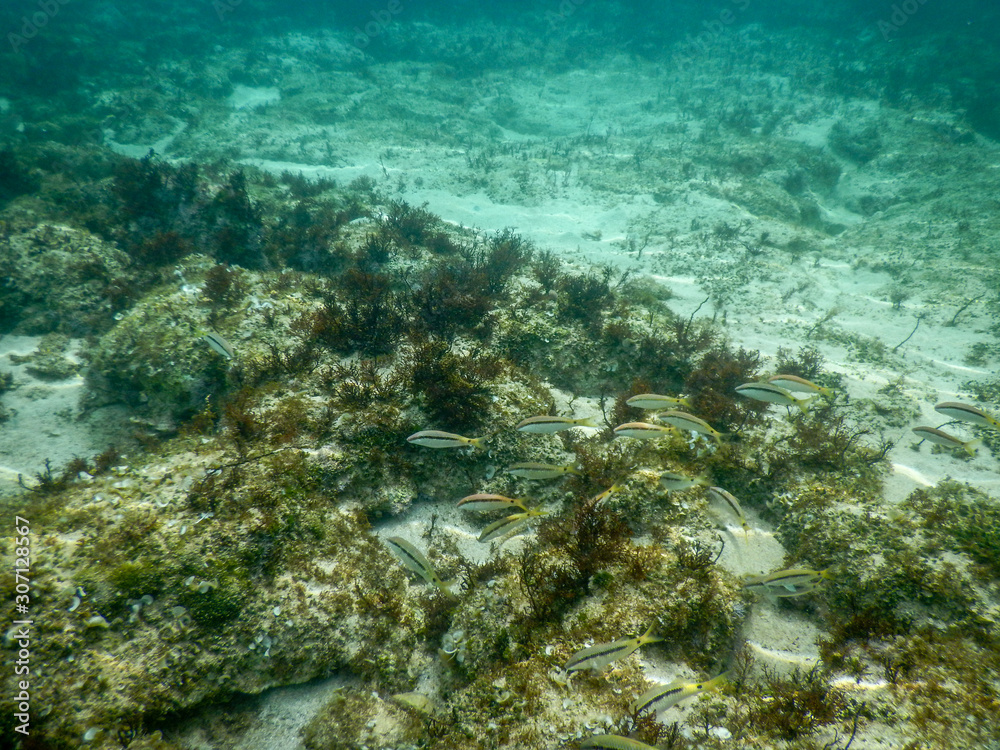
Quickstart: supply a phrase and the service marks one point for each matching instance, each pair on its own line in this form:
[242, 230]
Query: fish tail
[803, 403]
[587, 422]
[972, 445]
[445, 588]
[479, 442]
[647, 637]
[717, 682]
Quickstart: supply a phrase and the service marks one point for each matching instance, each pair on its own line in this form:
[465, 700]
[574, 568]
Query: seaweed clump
[454, 389]
[165, 212]
[15, 179]
[793, 707]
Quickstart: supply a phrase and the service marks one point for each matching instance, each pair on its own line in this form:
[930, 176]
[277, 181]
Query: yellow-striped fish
[655, 402]
[488, 502]
[219, 344]
[599, 656]
[684, 421]
[723, 499]
[606, 494]
[940, 437]
[967, 413]
[773, 394]
[439, 439]
[787, 583]
[671, 481]
[613, 742]
[642, 430]
[532, 470]
[795, 384]
[509, 525]
[662, 697]
[414, 561]
[546, 425]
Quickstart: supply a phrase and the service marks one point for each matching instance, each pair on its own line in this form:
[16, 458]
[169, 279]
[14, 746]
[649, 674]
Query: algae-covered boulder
[157, 357]
[56, 278]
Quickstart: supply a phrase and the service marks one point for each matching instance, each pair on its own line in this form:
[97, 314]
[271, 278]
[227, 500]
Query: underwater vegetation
[287, 337]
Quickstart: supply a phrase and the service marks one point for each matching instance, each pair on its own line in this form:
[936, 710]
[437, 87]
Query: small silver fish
[488, 502]
[439, 439]
[684, 421]
[219, 344]
[532, 470]
[940, 437]
[414, 561]
[509, 525]
[654, 401]
[773, 394]
[601, 655]
[642, 430]
[795, 384]
[546, 425]
[967, 413]
[662, 697]
[672, 481]
[721, 497]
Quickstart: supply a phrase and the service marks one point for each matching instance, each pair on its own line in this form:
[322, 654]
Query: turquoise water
[247, 251]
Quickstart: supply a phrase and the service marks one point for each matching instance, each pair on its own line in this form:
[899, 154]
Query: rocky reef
[285, 337]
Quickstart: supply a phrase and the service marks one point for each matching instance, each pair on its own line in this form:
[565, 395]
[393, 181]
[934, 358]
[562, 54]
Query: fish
[546, 425]
[532, 470]
[487, 502]
[654, 401]
[599, 656]
[603, 495]
[672, 481]
[721, 497]
[642, 430]
[967, 413]
[795, 384]
[684, 421]
[414, 561]
[787, 583]
[613, 742]
[662, 697]
[773, 394]
[219, 344]
[940, 437]
[439, 439]
[509, 525]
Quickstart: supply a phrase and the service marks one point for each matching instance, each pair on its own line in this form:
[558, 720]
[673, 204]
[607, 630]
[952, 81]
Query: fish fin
[803, 403]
